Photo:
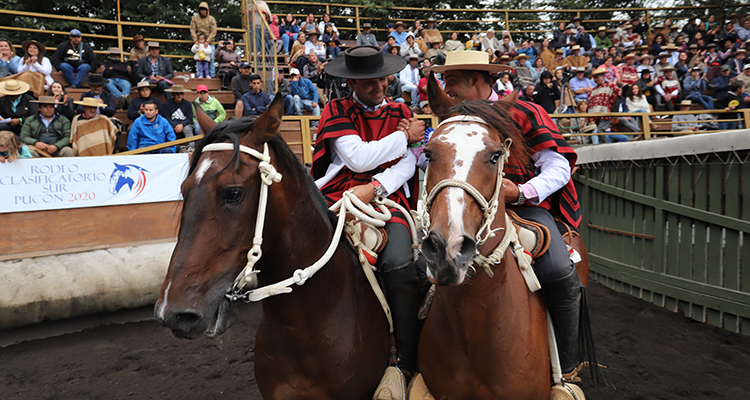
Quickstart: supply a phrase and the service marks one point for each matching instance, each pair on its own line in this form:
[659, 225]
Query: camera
[226, 42]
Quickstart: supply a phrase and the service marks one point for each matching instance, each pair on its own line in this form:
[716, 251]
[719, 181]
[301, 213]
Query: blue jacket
[722, 86]
[692, 87]
[284, 28]
[305, 89]
[259, 102]
[144, 133]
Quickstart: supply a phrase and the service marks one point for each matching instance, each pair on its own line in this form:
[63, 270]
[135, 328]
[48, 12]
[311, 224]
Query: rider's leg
[561, 287]
[401, 286]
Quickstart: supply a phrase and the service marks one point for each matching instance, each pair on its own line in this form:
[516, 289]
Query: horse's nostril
[468, 248]
[187, 318]
[432, 245]
[184, 322]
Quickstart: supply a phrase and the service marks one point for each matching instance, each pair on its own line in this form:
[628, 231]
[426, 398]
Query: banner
[75, 182]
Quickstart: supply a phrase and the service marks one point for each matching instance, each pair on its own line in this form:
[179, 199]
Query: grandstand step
[224, 96]
[184, 79]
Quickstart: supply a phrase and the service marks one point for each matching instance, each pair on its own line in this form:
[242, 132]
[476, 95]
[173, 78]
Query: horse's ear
[267, 125]
[204, 120]
[508, 101]
[439, 101]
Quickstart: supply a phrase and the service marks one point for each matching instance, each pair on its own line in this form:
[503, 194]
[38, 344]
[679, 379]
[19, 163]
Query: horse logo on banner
[132, 176]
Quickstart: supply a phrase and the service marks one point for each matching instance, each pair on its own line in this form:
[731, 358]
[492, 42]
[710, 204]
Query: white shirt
[44, 68]
[318, 48]
[409, 75]
[552, 172]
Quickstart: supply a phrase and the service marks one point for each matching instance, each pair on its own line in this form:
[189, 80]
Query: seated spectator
[156, 70]
[663, 60]
[503, 85]
[559, 31]
[558, 62]
[96, 82]
[64, 104]
[547, 93]
[11, 149]
[602, 100]
[331, 39]
[313, 45]
[409, 77]
[256, 101]
[34, 60]
[668, 87]
[202, 57]
[117, 73]
[722, 81]
[685, 123]
[435, 48]
[598, 59]
[658, 44]
[613, 73]
[490, 43]
[524, 75]
[229, 63]
[327, 21]
[585, 40]
[395, 50]
[731, 100]
[241, 85]
[285, 88]
[454, 44]
[745, 78]
[151, 129]
[9, 61]
[309, 24]
[538, 69]
[367, 38]
[288, 31]
[16, 105]
[179, 113]
[529, 93]
[399, 34]
[210, 105]
[743, 32]
[507, 45]
[138, 51]
[305, 94]
[737, 62]
[391, 42]
[393, 92]
[647, 87]
[47, 131]
[575, 59]
[530, 51]
[628, 70]
[636, 101]
[313, 68]
[135, 109]
[410, 47]
[580, 85]
[567, 39]
[92, 133]
[601, 39]
[682, 67]
[431, 33]
[75, 59]
[273, 27]
[645, 63]
[474, 43]
[693, 86]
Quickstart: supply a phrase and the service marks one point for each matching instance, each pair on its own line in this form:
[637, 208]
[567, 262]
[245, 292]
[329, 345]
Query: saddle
[534, 237]
[365, 237]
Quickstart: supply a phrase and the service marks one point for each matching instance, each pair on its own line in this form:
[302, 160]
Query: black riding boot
[402, 289]
[563, 299]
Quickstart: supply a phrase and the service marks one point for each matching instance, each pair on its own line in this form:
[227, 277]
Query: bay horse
[485, 337]
[327, 339]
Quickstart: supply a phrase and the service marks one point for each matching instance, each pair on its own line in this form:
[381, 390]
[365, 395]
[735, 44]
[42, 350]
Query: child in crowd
[202, 56]
[11, 149]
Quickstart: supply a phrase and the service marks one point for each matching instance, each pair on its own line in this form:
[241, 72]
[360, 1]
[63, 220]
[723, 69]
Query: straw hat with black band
[365, 62]
[25, 47]
[177, 89]
[13, 87]
[89, 102]
[469, 61]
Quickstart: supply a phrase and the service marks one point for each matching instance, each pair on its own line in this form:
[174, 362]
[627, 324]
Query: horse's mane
[287, 161]
[499, 120]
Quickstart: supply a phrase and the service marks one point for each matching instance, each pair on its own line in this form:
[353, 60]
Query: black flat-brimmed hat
[95, 79]
[365, 62]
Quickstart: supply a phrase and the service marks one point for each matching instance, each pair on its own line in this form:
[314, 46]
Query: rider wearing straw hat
[539, 190]
[363, 146]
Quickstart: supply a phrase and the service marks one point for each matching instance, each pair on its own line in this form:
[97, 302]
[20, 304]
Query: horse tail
[586, 341]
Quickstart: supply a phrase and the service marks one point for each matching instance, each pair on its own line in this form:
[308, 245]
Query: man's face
[47, 110]
[725, 72]
[370, 91]
[255, 85]
[203, 96]
[314, 58]
[149, 110]
[530, 90]
[144, 92]
[506, 40]
[295, 77]
[140, 44]
[89, 112]
[177, 97]
[203, 12]
[599, 79]
[580, 74]
[75, 40]
[630, 60]
[668, 74]
[490, 34]
[747, 72]
[695, 74]
[245, 71]
[460, 85]
[96, 89]
[153, 51]
[400, 28]
[413, 62]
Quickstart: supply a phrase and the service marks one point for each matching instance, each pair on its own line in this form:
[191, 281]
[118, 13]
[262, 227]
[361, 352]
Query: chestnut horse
[485, 337]
[327, 339]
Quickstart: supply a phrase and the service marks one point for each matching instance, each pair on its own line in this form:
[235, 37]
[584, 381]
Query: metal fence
[665, 221]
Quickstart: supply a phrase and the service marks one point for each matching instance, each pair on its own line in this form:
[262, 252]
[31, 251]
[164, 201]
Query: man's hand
[15, 121]
[141, 109]
[415, 131]
[178, 128]
[667, 97]
[364, 192]
[52, 149]
[510, 191]
[314, 104]
[41, 146]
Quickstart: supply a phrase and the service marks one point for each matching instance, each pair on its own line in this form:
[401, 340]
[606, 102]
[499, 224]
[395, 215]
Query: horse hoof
[566, 391]
[392, 386]
[418, 389]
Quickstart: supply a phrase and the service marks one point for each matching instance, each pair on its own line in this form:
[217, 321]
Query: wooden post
[746, 118]
[119, 32]
[356, 12]
[507, 22]
[646, 126]
[648, 18]
[246, 34]
[304, 123]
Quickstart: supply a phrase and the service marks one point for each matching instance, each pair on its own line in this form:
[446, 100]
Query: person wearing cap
[74, 59]
[668, 87]
[399, 33]
[490, 43]
[151, 129]
[693, 86]
[96, 82]
[541, 187]
[156, 69]
[559, 61]
[362, 145]
[435, 48]
[737, 62]
[47, 131]
[604, 99]
[305, 94]
[662, 58]
[601, 39]
[35, 61]
[367, 38]
[92, 133]
[431, 33]
[410, 47]
[731, 100]
[210, 105]
[135, 108]
[744, 77]
[118, 73]
[722, 81]
[241, 83]
[229, 62]
[580, 85]
[644, 62]
[179, 113]
[138, 51]
[15, 105]
[646, 83]
[685, 123]
[409, 77]
[256, 101]
[524, 74]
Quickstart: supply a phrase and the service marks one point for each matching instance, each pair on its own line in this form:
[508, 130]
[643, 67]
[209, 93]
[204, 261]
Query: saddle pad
[371, 239]
[534, 237]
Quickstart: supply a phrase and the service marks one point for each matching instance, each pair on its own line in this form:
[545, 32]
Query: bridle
[488, 207]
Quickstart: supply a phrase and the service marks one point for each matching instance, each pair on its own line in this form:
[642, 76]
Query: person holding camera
[229, 63]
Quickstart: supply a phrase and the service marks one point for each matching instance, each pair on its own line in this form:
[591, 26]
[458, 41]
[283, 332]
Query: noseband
[489, 208]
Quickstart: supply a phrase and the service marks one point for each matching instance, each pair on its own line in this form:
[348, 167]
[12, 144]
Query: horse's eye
[233, 195]
[428, 155]
[496, 157]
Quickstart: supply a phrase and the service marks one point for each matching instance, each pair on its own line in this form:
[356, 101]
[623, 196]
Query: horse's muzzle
[443, 269]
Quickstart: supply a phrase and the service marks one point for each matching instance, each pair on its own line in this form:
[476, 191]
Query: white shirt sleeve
[553, 172]
[360, 156]
[396, 176]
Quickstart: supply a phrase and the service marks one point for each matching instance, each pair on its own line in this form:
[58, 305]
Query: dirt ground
[651, 354]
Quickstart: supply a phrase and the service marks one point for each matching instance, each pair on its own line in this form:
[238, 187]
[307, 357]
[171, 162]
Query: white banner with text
[75, 182]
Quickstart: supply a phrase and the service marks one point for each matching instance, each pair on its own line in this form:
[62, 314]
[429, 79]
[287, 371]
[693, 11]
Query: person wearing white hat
[47, 131]
[304, 92]
[409, 78]
[15, 105]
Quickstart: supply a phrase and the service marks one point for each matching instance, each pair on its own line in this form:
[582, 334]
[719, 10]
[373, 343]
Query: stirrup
[418, 390]
[572, 377]
[566, 391]
[392, 386]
